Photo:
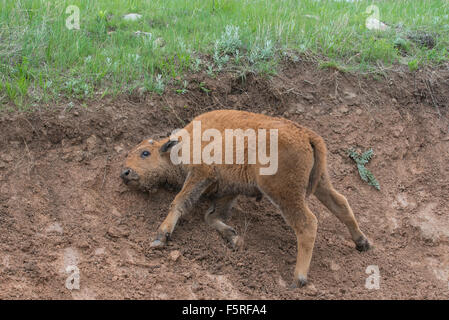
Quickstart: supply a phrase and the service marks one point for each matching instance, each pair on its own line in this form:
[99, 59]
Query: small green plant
[183, 89]
[102, 15]
[402, 45]
[203, 88]
[220, 60]
[361, 160]
[10, 90]
[77, 88]
[159, 84]
[155, 84]
[229, 42]
[332, 65]
[413, 65]
[196, 65]
[261, 53]
[210, 71]
[228, 45]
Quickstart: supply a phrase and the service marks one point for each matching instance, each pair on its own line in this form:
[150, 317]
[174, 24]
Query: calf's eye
[145, 154]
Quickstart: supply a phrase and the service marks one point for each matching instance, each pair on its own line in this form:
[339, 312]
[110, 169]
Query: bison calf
[300, 170]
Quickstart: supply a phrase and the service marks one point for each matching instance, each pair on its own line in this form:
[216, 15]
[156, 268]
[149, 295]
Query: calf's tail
[319, 164]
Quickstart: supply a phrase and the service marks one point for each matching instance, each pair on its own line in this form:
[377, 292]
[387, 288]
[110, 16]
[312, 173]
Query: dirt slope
[62, 203]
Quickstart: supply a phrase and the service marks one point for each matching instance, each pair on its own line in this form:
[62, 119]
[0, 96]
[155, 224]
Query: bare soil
[62, 202]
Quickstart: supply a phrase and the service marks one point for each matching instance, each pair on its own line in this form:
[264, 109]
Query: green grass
[41, 60]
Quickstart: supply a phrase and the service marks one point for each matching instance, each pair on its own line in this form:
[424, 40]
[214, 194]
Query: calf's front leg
[185, 200]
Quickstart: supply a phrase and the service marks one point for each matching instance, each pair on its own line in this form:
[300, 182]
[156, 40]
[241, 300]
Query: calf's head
[148, 165]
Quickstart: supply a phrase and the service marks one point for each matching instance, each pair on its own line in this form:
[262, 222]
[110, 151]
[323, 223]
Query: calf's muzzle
[129, 174]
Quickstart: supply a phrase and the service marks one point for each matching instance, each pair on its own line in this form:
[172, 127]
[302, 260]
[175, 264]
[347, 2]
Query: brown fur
[302, 170]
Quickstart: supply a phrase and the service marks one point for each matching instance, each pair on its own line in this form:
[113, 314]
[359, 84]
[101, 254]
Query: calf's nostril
[125, 173]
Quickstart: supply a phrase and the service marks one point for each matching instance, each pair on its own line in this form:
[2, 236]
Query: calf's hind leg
[304, 223]
[339, 206]
[298, 216]
[218, 211]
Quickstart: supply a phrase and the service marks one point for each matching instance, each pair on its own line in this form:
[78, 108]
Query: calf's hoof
[299, 283]
[234, 240]
[362, 244]
[159, 242]
[236, 243]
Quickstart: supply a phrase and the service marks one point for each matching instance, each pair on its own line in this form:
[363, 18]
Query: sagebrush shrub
[361, 160]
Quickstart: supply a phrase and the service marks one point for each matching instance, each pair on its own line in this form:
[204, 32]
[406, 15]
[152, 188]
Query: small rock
[84, 245]
[7, 158]
[196, 287]
[132, 16]
[115, 212]
[118, 149]
[358, 111]
[16, 144]
[375, 24]
[309, 97]
[79, 156]
[348, 243]
[334, 266]
[54, 227]
[116, 232]
[91, 142]
[282, 283]
[297, 108]
[343, 109]
[397, 131]
[394, 101]
[2, 165]
[142, 33]
[349, 95]
[311, 290]
[174, 255]
[99, 251]
[65, 143]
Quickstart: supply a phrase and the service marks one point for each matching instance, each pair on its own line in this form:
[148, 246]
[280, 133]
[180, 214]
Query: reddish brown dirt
[62, 202]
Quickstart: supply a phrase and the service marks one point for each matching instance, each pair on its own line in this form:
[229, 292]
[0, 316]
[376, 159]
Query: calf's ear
[167, 146]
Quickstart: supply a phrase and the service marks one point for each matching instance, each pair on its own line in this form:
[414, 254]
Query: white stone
[375, 24]
[132, 16]
[54, 227]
